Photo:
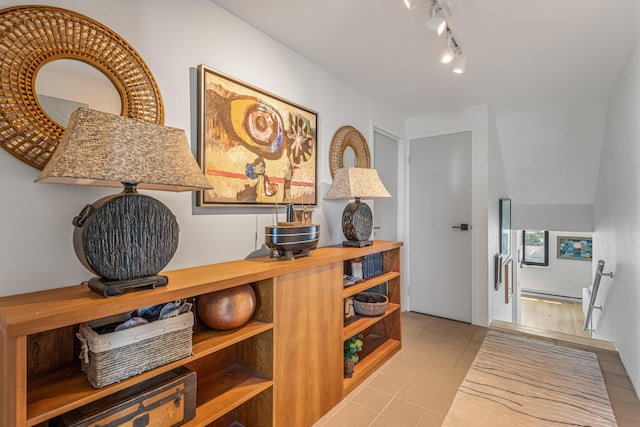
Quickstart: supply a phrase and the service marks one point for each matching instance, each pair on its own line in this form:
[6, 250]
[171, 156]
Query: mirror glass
[349, 158]
[505, 227]
[64, 85]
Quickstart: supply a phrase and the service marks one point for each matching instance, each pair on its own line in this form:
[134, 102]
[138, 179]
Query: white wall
[173, 38]
[476, 119]
[553, 217]
[551, 154]
[563, 277]
[617, 220]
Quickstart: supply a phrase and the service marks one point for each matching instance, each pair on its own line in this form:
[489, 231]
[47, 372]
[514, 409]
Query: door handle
[463, 227]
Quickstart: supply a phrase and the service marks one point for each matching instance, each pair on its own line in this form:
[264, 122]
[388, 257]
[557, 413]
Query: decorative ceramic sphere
[228, 308]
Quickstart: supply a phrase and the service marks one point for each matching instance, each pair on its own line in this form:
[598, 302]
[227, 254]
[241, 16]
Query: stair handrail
[588, 321]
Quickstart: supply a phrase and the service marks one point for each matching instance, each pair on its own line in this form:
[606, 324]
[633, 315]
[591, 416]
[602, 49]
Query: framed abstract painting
[255, 148]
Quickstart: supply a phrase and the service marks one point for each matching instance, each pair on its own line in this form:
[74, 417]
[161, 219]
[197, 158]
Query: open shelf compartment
[66, 389]
[370, 283]
[225, 390]
[232, 376]
[364, 322]
[376, 350]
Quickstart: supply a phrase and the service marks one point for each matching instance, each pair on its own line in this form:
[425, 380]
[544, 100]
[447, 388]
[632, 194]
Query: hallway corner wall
[617, 220]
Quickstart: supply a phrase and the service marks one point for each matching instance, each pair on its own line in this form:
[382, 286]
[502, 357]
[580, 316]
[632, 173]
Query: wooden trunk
[166, 400]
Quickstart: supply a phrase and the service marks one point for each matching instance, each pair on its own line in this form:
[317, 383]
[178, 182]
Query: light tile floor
[417, 386]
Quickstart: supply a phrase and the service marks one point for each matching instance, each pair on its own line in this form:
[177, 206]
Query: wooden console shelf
[256, 375]
[363, 286]
[382, 335]
[364, 322]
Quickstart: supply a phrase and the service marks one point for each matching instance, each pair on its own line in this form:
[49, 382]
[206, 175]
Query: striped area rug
[518, 382]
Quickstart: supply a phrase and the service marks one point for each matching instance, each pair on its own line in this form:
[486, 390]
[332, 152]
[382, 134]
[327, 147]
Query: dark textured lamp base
[128, 237]
[112, 288]
[357, 224]
[357, 243]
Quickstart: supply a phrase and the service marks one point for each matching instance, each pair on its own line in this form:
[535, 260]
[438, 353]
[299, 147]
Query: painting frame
[256, 149]
[566, 248]
[497, 271]
[505, 228]
[508, 280]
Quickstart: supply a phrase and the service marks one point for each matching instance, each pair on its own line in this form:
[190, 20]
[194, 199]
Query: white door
[385, 211]
[439, 200]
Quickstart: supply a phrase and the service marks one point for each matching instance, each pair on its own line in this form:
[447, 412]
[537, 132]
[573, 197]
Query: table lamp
[357, 220]
[126, 238]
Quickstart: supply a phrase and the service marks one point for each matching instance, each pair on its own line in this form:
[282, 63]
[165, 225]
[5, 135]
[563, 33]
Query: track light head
[447, 55]
[411, 4]
[437, 24]
[459, 64]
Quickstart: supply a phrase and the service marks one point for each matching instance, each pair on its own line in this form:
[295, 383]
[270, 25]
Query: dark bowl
[292, 237]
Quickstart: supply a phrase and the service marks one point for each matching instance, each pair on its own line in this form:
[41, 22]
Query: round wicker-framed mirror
[348, 137]
[33, 36]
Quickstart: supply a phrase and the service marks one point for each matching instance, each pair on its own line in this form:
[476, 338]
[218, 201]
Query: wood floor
[553, 315]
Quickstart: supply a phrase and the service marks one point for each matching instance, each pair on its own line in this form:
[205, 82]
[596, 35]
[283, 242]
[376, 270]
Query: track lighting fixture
[435, 22]
[440, 22]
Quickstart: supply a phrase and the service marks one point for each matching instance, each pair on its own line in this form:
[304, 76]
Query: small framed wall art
[255, 148]
[505, 228]
[580, 248]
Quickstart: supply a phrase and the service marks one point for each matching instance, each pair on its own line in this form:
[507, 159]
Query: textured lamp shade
[126, 238]
[357, 219]
[356, 183]
[106, 150]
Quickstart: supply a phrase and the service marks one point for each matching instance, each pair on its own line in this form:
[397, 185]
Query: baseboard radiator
[549, 295]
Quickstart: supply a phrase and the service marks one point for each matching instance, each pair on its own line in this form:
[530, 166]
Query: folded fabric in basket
[145, 315]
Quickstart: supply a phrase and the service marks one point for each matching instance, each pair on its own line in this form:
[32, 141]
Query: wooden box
[166, 400]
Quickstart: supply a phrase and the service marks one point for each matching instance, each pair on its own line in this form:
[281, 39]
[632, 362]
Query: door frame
[479, 218]
[373, 129]
[402, 196]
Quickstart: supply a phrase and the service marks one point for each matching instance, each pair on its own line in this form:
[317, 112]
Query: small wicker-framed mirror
[348, 137]
[33, 36]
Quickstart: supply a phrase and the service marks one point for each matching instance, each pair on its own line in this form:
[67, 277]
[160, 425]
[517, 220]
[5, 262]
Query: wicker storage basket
[113, 357]
[370, 308]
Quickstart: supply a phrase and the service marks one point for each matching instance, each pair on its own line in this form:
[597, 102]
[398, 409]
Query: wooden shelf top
[225, 390]
[363, 322]
[35, 312]
[369, 283]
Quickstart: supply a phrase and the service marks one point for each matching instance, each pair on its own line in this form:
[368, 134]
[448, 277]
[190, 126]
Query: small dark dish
[289, 241]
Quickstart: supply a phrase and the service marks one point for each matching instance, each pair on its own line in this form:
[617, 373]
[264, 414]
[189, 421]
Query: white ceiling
[521, 54]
